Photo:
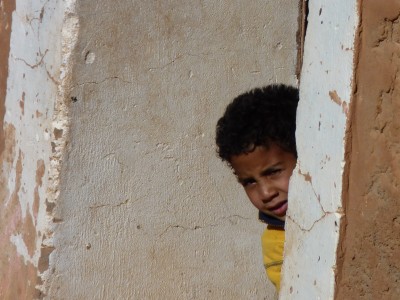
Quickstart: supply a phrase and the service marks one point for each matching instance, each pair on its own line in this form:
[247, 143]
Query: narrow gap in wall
[301, 33]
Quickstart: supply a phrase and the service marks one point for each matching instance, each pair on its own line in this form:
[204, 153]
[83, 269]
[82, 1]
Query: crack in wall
[390, 33]
[110, 205]
[177, 58]
[307, 178]
[313, 224]
[51, 77]
[196, 227]
[29, 19]
[34, 66]
[38, 64]
[102, 81]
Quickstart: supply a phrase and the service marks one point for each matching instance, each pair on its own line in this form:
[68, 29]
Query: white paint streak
[22, 250]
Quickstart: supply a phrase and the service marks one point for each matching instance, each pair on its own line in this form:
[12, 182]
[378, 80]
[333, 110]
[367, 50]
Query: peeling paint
[335, 98]
[17, 241]
[8, 153]
[30, 73]
[40, 169]
[28, 231]
[45, 252]
[18, 173]
[22, 103]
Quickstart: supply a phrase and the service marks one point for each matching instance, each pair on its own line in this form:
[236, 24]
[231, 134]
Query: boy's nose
[267, 192]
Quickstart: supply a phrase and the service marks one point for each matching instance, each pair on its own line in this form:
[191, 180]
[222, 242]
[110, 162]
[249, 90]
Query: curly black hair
[258, 118]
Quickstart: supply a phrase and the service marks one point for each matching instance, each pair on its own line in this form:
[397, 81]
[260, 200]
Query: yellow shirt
[272, 242]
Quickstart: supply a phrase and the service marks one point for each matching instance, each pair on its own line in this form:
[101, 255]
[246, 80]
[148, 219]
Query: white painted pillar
[315, 210]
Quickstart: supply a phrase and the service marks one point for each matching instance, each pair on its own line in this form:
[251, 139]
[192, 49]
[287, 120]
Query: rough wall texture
[315, 209]
[368, 263]
[33, 60]
[146, 210]
[110, 186]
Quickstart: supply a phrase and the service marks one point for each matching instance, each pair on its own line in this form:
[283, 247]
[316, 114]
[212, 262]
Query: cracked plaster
[315, 195]
[143, 115]
[109, 148]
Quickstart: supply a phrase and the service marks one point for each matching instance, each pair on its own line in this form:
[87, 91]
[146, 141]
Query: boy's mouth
[279, 209]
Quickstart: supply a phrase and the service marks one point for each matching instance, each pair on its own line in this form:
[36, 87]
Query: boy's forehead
[258, 158]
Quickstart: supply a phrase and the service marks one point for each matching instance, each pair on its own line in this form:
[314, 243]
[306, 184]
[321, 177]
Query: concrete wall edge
[60, 132]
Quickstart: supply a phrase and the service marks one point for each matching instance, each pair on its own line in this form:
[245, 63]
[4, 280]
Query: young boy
[256, 137]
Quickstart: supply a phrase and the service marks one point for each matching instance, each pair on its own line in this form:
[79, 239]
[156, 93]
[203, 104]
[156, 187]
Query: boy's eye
[246, 182]
[275, 171]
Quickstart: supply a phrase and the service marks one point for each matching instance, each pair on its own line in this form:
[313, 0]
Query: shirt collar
[270, 220]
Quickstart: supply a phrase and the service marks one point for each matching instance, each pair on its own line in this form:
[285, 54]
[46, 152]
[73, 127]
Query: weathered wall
[368, 263]
[145, 209]
[30, 63]
[315, 197]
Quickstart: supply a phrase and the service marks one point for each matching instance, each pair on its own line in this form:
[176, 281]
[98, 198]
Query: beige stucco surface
[145, 209]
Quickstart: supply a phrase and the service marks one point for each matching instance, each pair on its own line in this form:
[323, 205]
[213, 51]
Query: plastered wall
[152, 212]
[110, 187]
[368, 260]
[113, 186]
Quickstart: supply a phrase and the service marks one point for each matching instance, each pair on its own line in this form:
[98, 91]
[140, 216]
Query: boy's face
[264, 175]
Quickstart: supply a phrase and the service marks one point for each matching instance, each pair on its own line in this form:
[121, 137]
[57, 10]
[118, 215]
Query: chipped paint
[335, 98]
[29, 76]
[22, 103]
[40, 169]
